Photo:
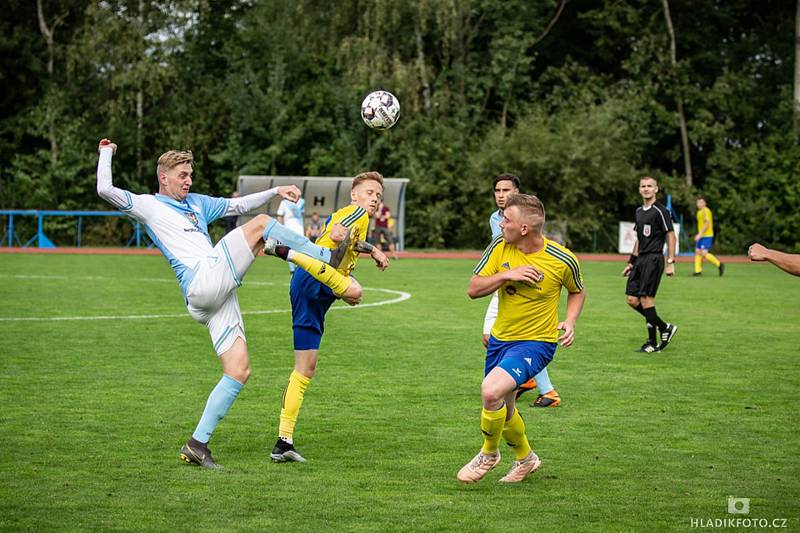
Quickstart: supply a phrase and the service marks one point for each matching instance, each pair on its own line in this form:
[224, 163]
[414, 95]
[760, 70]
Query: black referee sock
[639, 309]
[651, 334]
[652, 318]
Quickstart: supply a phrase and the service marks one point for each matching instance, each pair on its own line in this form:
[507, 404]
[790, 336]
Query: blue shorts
[704, 243]
[521, 359]
[310, 301]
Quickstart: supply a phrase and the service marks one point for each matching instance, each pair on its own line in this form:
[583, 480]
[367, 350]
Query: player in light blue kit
[177, 222]
[504, 186]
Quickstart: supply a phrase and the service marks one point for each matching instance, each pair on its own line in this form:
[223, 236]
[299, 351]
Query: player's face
[177, 181]
[368, 195]
[512, 226]
[700, 203]
[502, 190]
[648, 188]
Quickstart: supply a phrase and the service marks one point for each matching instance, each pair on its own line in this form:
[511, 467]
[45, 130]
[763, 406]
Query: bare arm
[671, 240]
[575, 302]
[789, 263]
[381, 261]
[702, 230]
[634, 255]
[480, 286]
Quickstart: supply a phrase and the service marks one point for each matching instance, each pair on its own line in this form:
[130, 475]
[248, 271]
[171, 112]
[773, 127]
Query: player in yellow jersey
[528, 271]
[704, 239]
[311, 299]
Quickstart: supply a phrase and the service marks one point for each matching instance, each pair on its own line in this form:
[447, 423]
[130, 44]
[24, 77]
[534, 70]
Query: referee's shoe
[666, 335]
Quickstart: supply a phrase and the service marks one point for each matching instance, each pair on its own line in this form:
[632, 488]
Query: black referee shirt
[652, 225]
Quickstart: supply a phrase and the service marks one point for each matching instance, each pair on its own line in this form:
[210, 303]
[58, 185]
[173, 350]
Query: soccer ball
[380, 110]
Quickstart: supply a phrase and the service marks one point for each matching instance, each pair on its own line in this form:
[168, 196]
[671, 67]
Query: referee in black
[646, 264]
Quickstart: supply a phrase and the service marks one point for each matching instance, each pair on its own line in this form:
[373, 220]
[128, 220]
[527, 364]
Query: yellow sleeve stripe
[486, 253]
[570, 261]
[353, 217]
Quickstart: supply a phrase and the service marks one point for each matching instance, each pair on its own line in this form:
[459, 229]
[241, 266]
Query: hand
[289, 192]
[627, 270]
[697, 237]
[485, 341]
[349, 300]
[757, 252]
[104, 143]
[381, 261]
[569, 333]
[670, 270]
[338, 231]
[525, 274]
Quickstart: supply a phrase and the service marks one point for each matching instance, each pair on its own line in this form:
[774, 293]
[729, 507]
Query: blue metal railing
[9, 238]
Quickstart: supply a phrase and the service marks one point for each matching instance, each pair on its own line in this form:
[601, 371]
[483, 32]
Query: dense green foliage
[93, 412]
[577, 97]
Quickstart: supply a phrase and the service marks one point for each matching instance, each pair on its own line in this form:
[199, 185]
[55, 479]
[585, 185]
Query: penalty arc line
[400, 297]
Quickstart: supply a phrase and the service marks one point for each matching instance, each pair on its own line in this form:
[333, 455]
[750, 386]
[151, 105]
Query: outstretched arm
[381, 261]
[245, 204]
[787, 262]
[119, 198]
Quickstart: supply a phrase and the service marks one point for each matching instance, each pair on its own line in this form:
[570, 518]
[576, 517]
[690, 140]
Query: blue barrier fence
[10, 238]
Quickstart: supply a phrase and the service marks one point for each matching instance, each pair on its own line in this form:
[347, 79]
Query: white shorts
[491, 314]
[211, 295]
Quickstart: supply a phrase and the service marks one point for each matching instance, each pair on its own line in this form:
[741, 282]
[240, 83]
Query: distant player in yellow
[528, 271]
[311, 299]
[704, 239]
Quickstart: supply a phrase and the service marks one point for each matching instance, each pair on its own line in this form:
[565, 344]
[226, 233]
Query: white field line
[399, 296]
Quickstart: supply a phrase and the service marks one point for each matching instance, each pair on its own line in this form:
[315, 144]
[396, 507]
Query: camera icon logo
[738, 505]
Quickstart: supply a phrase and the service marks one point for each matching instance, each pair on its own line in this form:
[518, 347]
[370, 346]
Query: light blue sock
[219, 401]
[543, 382]
[294, 241]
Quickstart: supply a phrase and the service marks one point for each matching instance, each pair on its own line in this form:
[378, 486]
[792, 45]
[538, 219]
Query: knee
[308, 368]
[240, 373]
[492, 396]
[633, 301]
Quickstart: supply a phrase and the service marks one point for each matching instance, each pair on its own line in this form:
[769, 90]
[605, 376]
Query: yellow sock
[292, 400]
[322, 272]
[698, 263]
[492, 428]
[713, 260]
[514, 433]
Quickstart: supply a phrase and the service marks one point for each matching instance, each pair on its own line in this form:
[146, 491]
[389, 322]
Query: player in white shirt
[177, 222]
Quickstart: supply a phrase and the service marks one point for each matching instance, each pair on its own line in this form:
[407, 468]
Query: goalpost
[327, 194]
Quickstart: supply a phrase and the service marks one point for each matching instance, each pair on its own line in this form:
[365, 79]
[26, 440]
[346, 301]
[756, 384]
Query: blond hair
[172, 159]
[367, 176]
[531, 209]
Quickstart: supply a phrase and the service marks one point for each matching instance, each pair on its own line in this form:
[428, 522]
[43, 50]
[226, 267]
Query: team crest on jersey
[506, 265]
[511, 290]
[646, 230]
[191, 216]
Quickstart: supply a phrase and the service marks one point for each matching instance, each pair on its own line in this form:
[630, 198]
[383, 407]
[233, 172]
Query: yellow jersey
[353, 217]
[530, 311]
[703, 215]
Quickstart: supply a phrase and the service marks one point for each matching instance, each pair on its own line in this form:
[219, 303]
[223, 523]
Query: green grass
[92, 413]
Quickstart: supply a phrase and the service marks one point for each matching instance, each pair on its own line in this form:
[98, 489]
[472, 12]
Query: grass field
[93, 412]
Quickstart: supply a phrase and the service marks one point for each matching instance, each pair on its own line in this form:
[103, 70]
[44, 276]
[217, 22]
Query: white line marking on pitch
[400, 297]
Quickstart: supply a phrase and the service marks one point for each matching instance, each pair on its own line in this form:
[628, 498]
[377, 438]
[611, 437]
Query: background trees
[580, 98]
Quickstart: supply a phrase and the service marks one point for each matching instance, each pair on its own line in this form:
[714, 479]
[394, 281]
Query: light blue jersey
[178, 228]
[494, 223]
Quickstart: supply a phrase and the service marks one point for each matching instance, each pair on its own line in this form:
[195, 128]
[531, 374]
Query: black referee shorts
[645, 276]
